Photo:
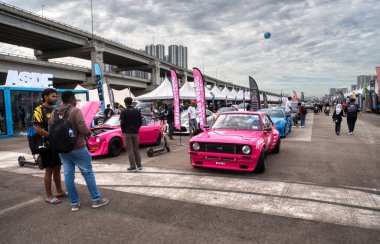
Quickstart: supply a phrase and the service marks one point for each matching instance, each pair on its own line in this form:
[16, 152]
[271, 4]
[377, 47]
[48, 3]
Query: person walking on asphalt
[170, 119]
[131, 121]
[352, 115]
[50, 160]
[289, 111]
[79, 156]
[337, 117]
[302, 112]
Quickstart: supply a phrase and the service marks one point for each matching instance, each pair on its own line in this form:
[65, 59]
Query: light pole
[92, 22]
[43, 10]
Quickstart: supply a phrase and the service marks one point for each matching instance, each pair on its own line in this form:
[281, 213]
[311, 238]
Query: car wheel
[277, 148]
[262, 162]
[114, 147]
[99, 121]
[158, 142]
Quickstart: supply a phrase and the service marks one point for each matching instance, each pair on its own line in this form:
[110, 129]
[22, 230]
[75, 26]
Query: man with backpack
[50, 160]
[69, 131]
[352, 110]
[302, 112]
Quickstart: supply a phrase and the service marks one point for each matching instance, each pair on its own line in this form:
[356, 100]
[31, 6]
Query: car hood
[89, 110]
[275, 120]
[228, 136]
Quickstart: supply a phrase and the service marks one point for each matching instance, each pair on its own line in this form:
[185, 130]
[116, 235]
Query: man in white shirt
[193, 124]
[289, 111]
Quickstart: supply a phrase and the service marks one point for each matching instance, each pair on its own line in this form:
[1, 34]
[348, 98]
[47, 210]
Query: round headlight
[196, 146]
[246, 149]
[97, 139]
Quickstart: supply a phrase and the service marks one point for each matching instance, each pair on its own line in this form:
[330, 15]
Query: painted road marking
[21, 205]
[339, 205]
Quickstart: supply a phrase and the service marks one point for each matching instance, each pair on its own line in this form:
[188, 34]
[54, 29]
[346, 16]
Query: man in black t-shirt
[130, 122]
[49, 159]
[352, 111]
[108, 112]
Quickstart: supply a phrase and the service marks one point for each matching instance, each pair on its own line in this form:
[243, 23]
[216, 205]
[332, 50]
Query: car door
[268, 131]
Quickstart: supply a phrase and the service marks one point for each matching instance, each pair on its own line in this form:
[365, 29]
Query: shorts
[50, 159]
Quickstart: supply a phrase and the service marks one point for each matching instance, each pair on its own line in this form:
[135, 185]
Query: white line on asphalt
[21, 205]
[338, 205]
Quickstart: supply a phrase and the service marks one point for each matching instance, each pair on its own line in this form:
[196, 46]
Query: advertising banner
[295, 97]
[255, 96]
[374, 100]
[99, 83]
[200, 95]
[302, 97]
[265, 99]
[360, 101]
[378, 83]
[176, 105]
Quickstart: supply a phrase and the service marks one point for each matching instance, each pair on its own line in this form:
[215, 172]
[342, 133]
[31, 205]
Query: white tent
[119, 96]
[162, 92]
[243, 95]
[79, 87]
[187, 91]
[234, 94]
[227, 93]
[217, 93]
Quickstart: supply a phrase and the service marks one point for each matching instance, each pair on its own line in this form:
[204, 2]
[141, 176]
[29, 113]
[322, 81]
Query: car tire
[114, 147]
[99, 121]
[278, 145]
[158, 142]
[262, 162]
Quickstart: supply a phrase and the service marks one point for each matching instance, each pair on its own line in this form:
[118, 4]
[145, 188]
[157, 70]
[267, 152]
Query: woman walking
[337, 118]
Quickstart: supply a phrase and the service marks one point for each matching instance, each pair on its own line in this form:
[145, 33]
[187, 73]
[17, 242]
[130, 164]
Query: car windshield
[226, 109]
[113, 121]
[238, 122]
[275, 113]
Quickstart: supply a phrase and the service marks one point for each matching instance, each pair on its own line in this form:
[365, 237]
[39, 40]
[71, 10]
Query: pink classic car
[236, 141]
[108, 138]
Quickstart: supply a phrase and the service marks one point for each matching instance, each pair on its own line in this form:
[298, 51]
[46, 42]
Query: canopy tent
[243, 95]
[162, 92]
[119, 96]
[187, 91]
[79, 87]
[227, 94]
[235, 95]
[217, 93]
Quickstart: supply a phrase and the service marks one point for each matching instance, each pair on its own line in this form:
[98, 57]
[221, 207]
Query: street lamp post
[43, 10]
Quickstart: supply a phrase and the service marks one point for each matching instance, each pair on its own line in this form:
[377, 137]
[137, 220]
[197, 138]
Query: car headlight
[279, 122]
[97, 139]
[196, 146]
[246, 149]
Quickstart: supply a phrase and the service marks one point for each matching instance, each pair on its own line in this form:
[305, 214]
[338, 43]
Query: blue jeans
[194, 125]
[82, 159]
[303, 118]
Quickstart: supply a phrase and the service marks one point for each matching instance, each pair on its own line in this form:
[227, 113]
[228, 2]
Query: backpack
[61, 134]
[36, 142]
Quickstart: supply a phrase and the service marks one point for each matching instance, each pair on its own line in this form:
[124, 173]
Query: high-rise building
[332, 91]
[173, 54]
[177, 55]
[353, 87]
[364, 78]
[160, 51]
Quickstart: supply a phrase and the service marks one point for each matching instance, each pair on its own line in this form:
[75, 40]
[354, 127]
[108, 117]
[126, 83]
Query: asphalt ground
[170, 202]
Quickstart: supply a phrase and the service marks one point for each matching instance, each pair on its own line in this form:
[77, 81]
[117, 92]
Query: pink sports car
[108, 138]
[236, 141]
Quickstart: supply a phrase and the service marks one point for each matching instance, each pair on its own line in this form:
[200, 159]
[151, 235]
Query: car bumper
[96, 149]
[226, 161]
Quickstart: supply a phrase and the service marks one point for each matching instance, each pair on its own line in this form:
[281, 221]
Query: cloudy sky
[315, 44]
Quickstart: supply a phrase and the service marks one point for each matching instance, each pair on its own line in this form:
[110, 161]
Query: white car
[185, 121]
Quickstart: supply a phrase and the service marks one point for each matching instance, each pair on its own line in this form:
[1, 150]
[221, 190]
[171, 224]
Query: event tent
[187, 91]
[217, 93]
[162, 92]
[227, 94]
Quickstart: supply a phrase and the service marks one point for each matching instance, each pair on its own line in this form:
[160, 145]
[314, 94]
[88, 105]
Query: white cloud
[315, 44]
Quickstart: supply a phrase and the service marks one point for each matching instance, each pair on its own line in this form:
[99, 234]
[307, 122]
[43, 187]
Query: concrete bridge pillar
[96, 57]
[37, 53]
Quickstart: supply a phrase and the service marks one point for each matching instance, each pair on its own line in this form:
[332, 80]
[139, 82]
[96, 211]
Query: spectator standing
[302, 112]
[50, 160]
[337, 117]
[131, 121]
[108, 112]
[193, 124]
[79, 156]
[170, 119]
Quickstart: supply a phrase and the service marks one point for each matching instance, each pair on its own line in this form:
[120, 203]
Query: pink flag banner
[378, 83]
[200, 95]
[176, 105]
[295, 97]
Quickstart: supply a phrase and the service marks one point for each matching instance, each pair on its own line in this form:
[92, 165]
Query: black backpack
[61, 134]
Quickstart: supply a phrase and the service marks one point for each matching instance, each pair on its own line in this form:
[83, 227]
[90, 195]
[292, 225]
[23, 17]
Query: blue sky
[315, 45]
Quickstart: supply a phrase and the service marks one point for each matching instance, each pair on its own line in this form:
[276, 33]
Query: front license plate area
[220, 163]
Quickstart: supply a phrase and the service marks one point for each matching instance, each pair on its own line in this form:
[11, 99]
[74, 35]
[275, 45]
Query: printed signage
[28, 79]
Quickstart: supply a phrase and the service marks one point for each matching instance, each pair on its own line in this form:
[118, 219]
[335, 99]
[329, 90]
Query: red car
[236, 141]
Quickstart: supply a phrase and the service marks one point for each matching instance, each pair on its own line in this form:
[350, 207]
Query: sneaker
[139, 168]
[101, 202]
[75, 208]
[302, 126]
[132, 169]
[350, 133]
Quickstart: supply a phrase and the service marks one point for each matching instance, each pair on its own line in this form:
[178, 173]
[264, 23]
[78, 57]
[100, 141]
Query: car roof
[244, 112]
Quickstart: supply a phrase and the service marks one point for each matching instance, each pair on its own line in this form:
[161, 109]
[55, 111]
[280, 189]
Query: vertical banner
[302, 97]
[360, 101]
[175, 86]
[378, 83]
[200, 95]
[99, 83]
[255, 96]
[295, 97]
[110, 94]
